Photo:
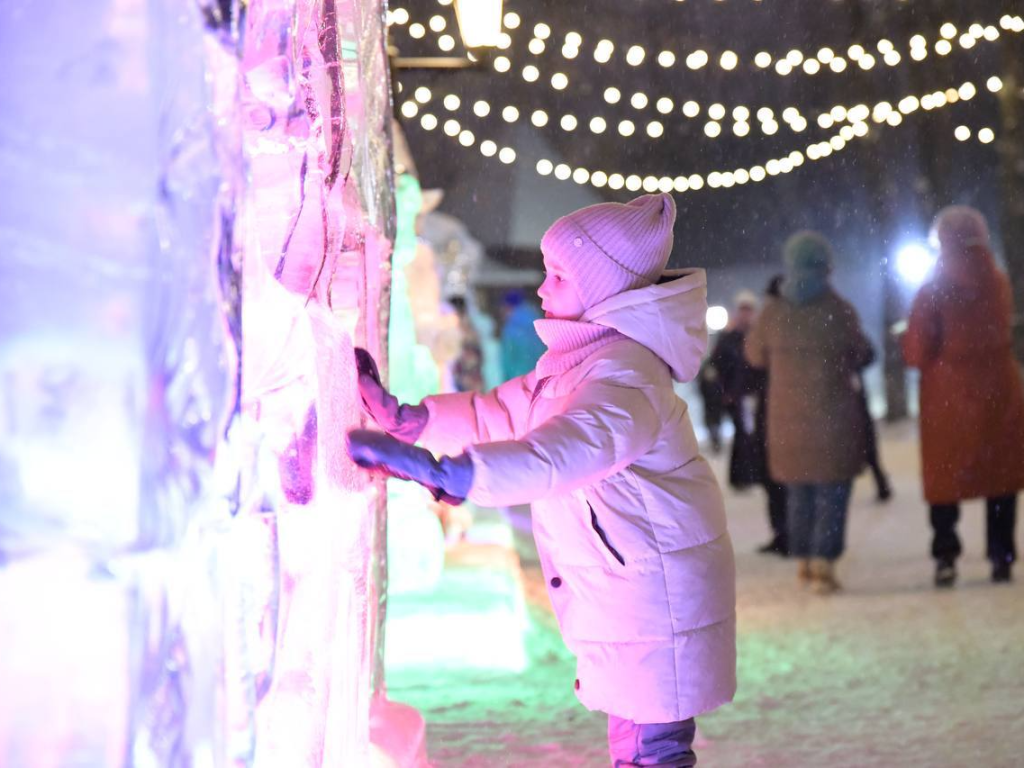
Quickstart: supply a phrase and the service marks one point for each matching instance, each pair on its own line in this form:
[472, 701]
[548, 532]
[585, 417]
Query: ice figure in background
[190, 573]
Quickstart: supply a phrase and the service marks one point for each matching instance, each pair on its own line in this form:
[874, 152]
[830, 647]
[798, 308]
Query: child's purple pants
[661, 744]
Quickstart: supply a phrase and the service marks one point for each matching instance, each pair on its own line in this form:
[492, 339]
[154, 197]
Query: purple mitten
[449, 479]
[406, 422]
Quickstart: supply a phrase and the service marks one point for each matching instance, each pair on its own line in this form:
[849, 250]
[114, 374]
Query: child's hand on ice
[405, 422]
[448, 480]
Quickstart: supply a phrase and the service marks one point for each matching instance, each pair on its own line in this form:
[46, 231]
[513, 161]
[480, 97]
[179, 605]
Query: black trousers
[777, 515]
[1001, 522]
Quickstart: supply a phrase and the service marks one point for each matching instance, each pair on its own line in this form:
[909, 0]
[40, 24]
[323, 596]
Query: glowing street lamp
[479, 22]
[717, 318]
[914, 263]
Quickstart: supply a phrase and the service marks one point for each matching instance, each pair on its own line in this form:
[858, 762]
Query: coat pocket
[603, 536]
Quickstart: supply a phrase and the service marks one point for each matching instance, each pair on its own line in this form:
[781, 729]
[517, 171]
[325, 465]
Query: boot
[803, 572]
[945, 573]
[823, 578]
[1001, 573]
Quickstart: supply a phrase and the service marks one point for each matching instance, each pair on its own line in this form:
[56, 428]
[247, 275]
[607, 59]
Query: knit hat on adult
[609, 248]
[808, 259]
[960, 226]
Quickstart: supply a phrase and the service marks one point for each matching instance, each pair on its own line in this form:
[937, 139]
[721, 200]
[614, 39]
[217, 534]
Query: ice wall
[190, 570]
[318, 208]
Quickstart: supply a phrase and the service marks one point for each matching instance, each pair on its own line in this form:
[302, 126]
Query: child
[627, 516]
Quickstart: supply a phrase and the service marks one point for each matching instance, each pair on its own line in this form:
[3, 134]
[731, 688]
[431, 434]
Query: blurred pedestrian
[972, 402]
[776, 491]
[710, 387]
[467, 368]
[810, 341]
[521, 347]
[741, 383]
[883, 488]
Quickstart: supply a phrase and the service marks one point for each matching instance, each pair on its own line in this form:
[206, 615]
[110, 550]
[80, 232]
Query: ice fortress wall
[195, 223]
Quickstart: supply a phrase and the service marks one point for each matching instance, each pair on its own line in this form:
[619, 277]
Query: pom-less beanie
[808, 259]
[609, 248]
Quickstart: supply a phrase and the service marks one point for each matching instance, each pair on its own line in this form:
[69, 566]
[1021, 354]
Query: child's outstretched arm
[445, 423]
[603, 429]
[461, 419]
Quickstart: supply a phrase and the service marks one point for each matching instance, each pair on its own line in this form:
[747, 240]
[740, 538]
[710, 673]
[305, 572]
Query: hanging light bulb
[697, 59]
[635, 56]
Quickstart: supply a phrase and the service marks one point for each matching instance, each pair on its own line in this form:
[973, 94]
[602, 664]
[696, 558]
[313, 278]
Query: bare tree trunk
[1011, 170]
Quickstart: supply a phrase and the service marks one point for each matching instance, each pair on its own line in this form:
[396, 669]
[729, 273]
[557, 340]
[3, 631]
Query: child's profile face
[558, 295]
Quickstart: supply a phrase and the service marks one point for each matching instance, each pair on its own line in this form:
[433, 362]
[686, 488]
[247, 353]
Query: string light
[882, 113]
[728, 60]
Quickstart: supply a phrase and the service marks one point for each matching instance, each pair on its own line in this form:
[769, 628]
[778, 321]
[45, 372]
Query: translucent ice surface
[195, 230]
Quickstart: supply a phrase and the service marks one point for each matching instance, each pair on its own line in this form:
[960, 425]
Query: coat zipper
[603, 535]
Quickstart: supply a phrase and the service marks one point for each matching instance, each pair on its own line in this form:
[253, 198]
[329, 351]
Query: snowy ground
[889, 672]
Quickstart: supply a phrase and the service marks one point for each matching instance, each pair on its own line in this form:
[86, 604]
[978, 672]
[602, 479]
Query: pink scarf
[569, 343]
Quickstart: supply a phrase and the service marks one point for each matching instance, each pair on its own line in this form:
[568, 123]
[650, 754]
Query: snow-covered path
[889, 672]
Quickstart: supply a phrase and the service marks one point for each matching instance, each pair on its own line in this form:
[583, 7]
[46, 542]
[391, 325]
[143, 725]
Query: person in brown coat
[972, 397]
[810, 341]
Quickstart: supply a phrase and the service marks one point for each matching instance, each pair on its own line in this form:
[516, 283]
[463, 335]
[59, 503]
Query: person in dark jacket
[741, 384]
[883, 488]
[710, 386]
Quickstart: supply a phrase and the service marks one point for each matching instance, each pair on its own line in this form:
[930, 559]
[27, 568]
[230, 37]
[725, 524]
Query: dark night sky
[512, 204]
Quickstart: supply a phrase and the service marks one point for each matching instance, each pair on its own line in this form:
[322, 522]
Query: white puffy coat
[628, 517]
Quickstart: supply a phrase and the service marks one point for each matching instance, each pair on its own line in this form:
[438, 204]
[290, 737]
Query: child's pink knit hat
[609, 248]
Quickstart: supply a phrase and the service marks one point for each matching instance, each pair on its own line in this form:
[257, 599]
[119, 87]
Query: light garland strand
[837, 115]
[883, 113]
[809, 63]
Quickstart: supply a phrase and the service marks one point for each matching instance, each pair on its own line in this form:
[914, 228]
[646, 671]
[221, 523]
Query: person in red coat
[972, 396]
